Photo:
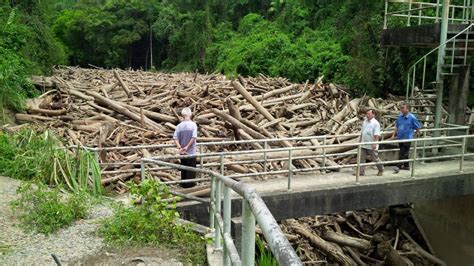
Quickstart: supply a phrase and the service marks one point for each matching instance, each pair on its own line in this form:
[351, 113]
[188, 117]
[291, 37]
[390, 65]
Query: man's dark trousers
[191, 162]
[404, 152]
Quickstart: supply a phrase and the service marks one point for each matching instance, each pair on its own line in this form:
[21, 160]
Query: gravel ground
[77, 244]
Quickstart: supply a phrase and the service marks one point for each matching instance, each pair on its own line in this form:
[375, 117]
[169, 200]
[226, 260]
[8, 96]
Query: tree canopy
[297, 39]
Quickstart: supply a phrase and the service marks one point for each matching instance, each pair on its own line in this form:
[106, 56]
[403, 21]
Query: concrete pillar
[458, 96]
[448, 224]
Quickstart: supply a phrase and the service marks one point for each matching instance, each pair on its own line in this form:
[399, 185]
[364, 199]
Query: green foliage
[47, 210]
[28, 155]
[14, 86]
[265, 256]
[153, 223]
[27, 46]
[261, 47]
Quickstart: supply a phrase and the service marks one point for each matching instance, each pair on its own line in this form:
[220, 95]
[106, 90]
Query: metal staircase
[446, 25]
[422, 94]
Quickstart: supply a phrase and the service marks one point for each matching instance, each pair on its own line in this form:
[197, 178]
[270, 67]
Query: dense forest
[297, 39]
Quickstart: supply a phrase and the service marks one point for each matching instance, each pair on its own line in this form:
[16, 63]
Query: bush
[46, 210]
[153, 223]
[29, 155]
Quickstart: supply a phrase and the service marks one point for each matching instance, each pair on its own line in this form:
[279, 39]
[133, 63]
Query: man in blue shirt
[405, 125]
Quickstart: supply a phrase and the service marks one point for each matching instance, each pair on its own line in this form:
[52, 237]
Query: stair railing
[411, 79]
[463, 14]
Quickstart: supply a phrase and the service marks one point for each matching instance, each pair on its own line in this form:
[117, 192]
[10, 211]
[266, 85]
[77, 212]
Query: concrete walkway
[345, 178]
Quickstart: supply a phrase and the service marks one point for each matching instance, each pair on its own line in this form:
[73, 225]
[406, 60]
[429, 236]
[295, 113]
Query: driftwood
[321, 244]
[107, 108]
[345, 240]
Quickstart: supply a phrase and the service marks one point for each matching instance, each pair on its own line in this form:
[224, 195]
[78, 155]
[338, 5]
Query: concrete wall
[449, 226]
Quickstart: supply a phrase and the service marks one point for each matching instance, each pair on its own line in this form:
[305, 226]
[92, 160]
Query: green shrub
[29, 155]
[46, 210]
[153, 223]
[265, 256]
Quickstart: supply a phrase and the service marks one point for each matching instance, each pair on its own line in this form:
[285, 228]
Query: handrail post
[359, 150]
[413, 83]
[227, 217]
[463, 151]
[409, 13]
[424, 74]
[265, 147]
[217, 237]
[437, 11]
[424, 148]
[213, 202]
[290, 161]
[412, 174]
[465, 46]
[324, 154]
[248, 235]
[452, 55]
[219, 203]
[419, 13]
[142, 170]
[385, 15]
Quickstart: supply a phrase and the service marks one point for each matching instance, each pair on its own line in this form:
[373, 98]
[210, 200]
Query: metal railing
[421, 12]
[254, 211]
[213, 164]
[254, 208]
[291, 154]
[450, 43]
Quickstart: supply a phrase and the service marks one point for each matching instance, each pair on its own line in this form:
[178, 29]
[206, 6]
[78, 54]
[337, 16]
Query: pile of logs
[108, 108]
[387, 236]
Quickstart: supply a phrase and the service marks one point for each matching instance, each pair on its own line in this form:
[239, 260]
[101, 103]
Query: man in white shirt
[370, 133]
[185, 137]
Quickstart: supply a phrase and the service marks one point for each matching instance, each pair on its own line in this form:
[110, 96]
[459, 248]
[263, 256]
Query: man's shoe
[406, 168]
[361, 174]
[380, 173]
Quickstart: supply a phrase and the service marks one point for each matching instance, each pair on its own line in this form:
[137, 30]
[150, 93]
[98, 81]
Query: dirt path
[77, 244]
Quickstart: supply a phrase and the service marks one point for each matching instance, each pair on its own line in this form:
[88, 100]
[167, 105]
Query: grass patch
[153, 223]
[28, 155]
[264, 254]
[46, 210]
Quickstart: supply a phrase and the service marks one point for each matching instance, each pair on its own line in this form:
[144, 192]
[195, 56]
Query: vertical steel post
[464, 12]
[437, 11]
[413, 82]
[248, 235]
[452, 55]
[324, 154]
[409, 13]
[408, 86]
[219, 204]
[290, 161]
[424, 72]
[419, 13]
[385, 17]
[142, 170]
[227, 212]
[412, 174]
[463, 149]
[265, 147]
[213, 201]
[466, 45]
[217, 237]
[359, 150]
[424, 148]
